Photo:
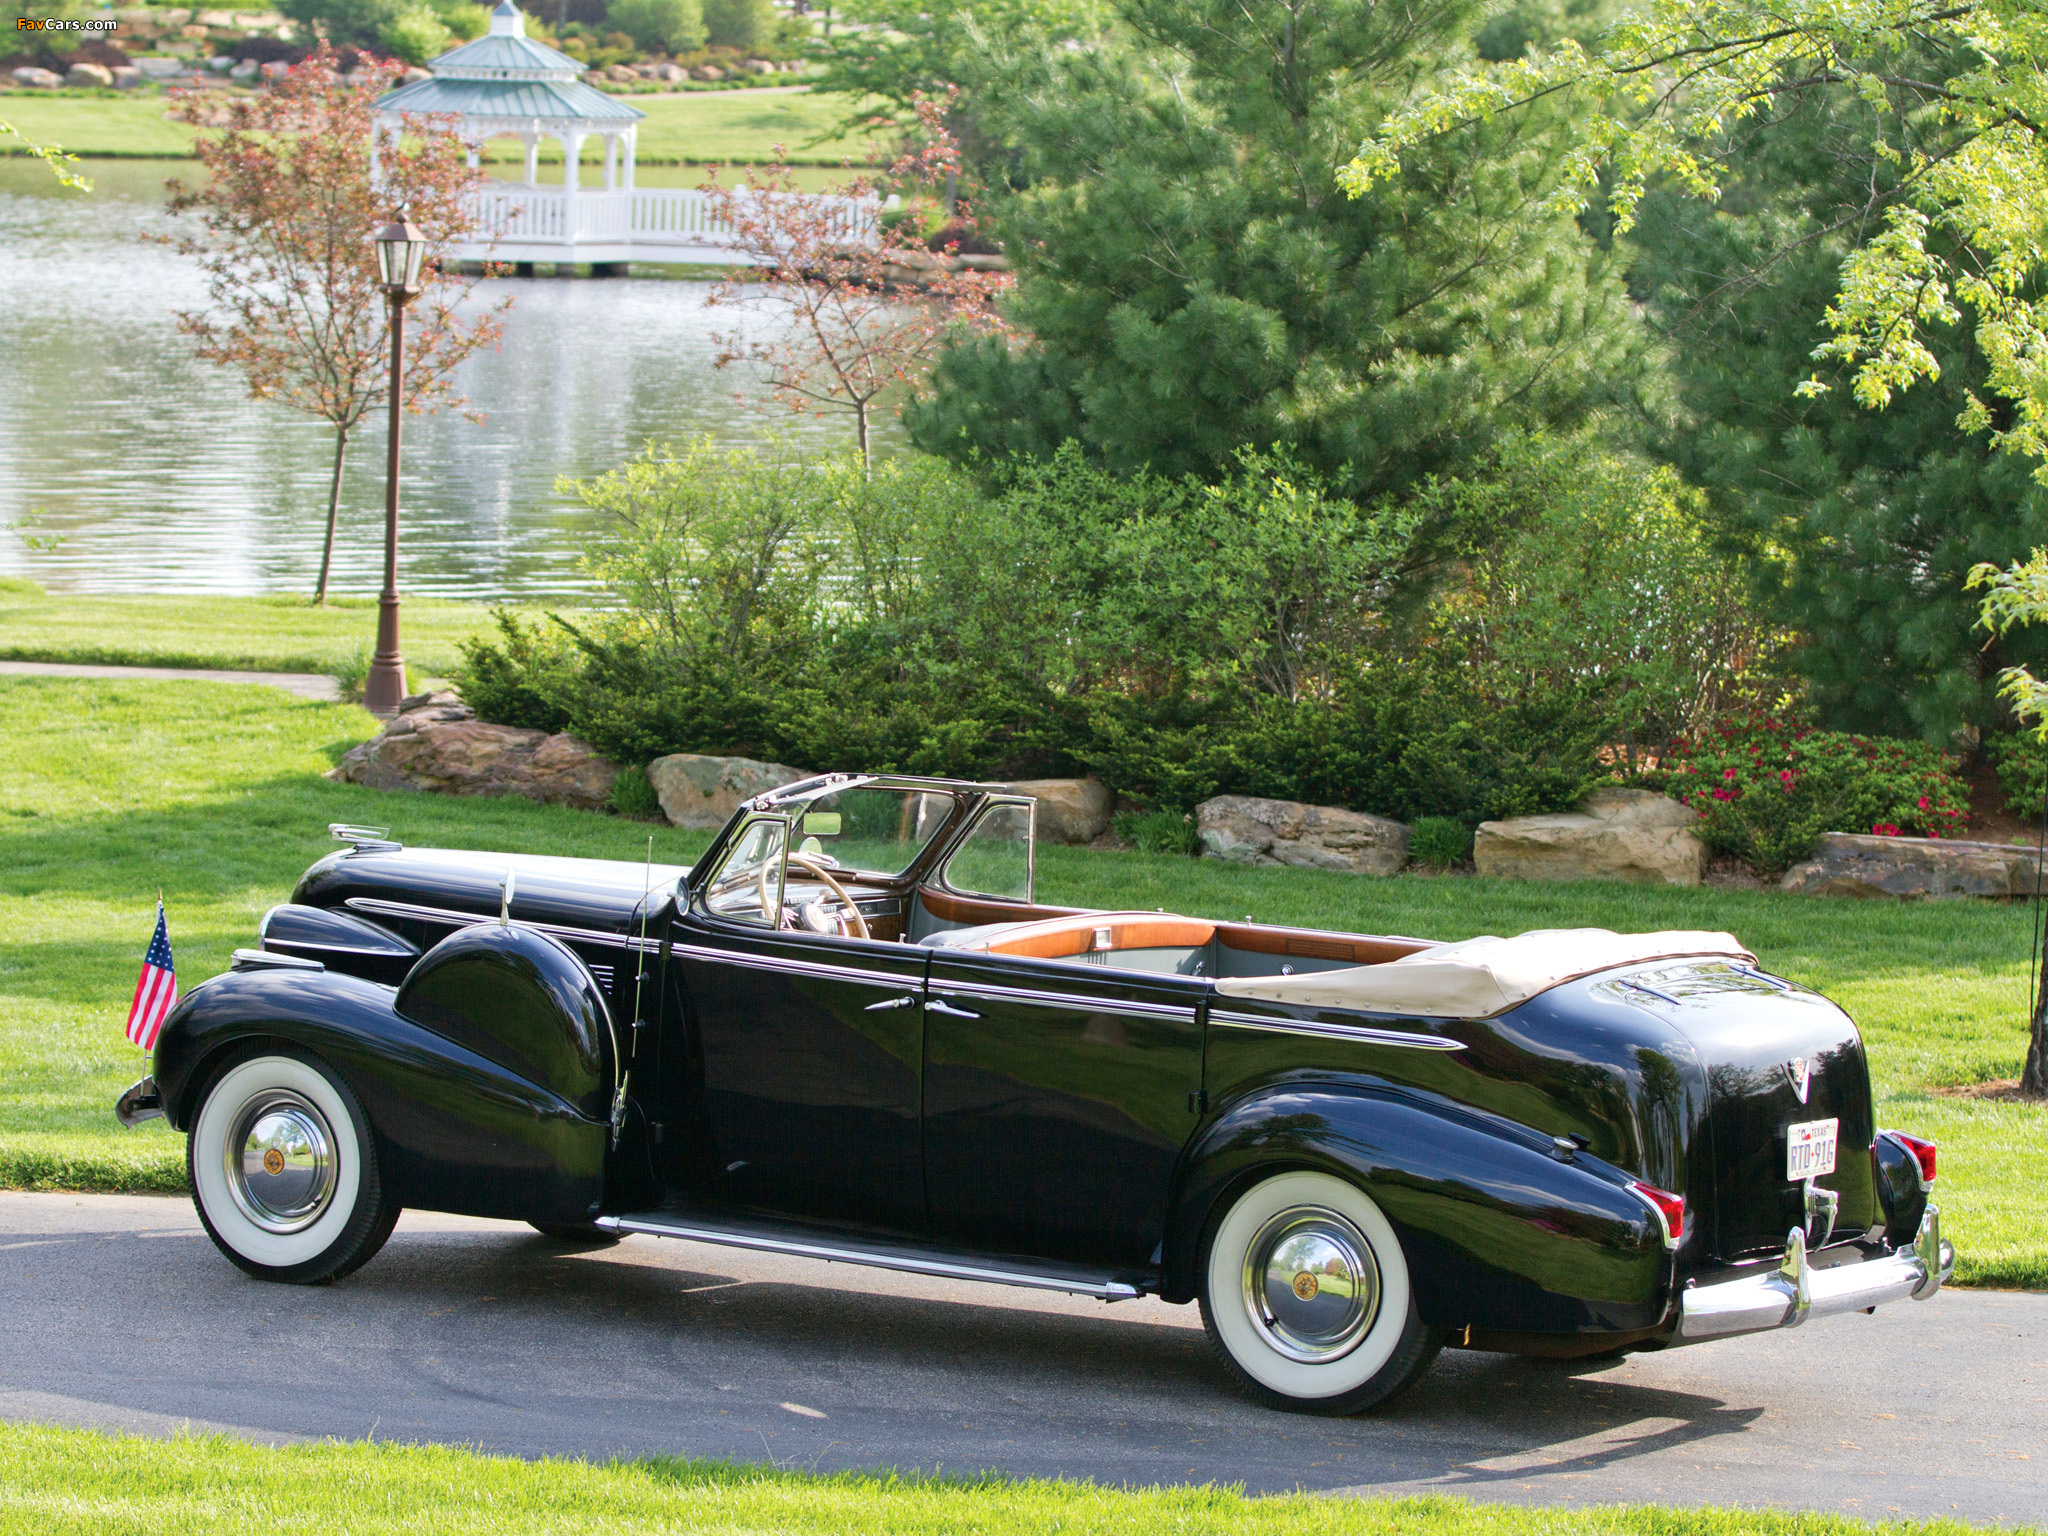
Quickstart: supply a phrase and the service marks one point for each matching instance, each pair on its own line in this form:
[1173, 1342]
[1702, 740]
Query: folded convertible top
[1480, 977]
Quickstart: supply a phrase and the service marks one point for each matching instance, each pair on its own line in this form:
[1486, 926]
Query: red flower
[1925, 802]
[1884, 829]
[1728, 773]
[1722, 794]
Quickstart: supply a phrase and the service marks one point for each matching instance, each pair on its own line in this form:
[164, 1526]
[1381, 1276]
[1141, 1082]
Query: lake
[144, 469]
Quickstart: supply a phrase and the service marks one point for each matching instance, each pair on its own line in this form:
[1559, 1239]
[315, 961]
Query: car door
[803, 1074]
[1057, 1095]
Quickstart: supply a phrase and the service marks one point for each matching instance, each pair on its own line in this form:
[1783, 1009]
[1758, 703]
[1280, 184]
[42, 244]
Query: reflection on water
[160, 473]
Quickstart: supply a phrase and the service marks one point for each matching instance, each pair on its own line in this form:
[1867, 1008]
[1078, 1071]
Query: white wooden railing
[519, 223]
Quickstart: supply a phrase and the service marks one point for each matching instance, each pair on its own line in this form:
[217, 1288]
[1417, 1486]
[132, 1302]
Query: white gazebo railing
[565, 224]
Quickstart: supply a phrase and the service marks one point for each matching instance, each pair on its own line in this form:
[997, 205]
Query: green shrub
[2021, 763]
[415, 36]
[1158, 831]
[660, 26]
[1766, 788]
[633, 795]
[529, 677]
[747, 26]
[352, 673]
[1441, 842]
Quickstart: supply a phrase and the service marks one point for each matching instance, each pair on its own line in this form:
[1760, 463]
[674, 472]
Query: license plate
[1810, 1149]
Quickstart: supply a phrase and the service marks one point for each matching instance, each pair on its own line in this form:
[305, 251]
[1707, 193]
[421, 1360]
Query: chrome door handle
[939, 1005]
[890, 1002]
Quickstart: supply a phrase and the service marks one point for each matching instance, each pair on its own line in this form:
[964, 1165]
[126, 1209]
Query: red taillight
[1924, 1153]
[1668, 1208]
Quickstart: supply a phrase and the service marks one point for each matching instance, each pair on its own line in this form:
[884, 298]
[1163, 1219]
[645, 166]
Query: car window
[748, 885]
[995, 860]
[871, 830]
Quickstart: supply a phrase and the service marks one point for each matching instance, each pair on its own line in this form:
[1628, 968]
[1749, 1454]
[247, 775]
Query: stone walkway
[306, 685]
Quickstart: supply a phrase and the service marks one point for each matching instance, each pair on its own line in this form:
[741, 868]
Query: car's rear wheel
[1305, 1294]
[284, 1170]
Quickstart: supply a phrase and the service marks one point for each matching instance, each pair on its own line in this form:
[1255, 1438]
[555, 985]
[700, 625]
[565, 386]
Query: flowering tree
[840, 331]
[286, 213]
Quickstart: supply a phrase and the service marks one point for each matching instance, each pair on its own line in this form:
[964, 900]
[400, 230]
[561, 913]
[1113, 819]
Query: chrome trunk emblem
[1800, 1070]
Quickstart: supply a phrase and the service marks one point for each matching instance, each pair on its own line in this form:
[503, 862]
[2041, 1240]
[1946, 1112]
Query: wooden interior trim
[973, 913]
[1313, 945]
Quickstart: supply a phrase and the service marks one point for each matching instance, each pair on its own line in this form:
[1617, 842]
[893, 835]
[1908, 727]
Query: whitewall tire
[284, 1170]
[1306, 1294]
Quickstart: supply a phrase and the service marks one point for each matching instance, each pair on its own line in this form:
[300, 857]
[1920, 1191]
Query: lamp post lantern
[400, 250]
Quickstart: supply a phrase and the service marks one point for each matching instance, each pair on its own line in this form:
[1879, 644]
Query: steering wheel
[812, 867]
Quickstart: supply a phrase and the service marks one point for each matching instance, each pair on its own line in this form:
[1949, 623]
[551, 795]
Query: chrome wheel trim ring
[279, 1161]
[1310, 1284]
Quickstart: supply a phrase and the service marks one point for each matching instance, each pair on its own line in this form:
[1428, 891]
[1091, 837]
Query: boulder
[758, 67]
[414, 75]
[215, 18]
[158, 69]
[221, 63]
[246, 70]
[696, 790]
[126, 77]
[1928, 869]
[277, 69]
[1615, 834]
[1245, 830]
[435, 743]
[707, 72]
[38, 79]
[1069, 810]
[84, 74]
[670, 72]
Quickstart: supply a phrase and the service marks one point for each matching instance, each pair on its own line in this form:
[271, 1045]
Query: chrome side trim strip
[1080, 1002]
[1361, 1033]
[791, 967]
[1105, 1287]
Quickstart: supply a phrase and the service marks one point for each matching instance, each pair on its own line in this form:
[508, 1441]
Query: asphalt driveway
[117, 1312]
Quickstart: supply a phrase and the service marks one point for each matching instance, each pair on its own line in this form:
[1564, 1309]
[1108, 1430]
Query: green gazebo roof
[507, 75]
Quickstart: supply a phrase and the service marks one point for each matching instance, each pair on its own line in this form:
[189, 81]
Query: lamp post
[400, 249]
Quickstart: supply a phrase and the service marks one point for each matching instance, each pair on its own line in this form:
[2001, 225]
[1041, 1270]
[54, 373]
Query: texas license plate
[1810, 1149]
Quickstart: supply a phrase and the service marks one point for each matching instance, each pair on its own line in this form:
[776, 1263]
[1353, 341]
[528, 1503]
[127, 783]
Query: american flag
[155, 989]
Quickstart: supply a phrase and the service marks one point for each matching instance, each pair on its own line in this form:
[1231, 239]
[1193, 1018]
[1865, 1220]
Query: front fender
[1499, 1234]
[455, 1131]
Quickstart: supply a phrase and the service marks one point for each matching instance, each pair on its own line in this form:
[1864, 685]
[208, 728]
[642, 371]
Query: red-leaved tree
[286, 215]
[840, 322]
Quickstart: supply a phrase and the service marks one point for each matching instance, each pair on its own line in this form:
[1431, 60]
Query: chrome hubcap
[1311, 1286]
[280, 1161]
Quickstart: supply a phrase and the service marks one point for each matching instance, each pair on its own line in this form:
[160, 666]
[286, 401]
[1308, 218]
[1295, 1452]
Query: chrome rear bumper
[1795, 1291]
[141, 1102]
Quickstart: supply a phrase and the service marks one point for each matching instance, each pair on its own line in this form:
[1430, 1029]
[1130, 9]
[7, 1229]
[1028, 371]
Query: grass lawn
[56, 1481]
[729, 127]
[261, 634]
[110, 791]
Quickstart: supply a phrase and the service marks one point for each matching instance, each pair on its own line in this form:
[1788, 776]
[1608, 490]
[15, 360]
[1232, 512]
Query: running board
[838, 1247]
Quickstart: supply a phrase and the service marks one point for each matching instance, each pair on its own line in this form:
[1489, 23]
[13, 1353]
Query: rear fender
[1500, 1233]
[455, 1130]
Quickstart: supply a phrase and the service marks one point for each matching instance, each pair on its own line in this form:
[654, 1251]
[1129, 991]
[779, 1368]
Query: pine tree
[1194, 281]
[1864, 522]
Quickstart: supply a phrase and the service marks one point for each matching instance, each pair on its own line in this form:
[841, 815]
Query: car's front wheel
[1305, 1293]
[284, 1171]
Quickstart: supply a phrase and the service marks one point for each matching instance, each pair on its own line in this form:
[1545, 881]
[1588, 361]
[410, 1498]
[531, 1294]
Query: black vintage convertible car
[849, 1033]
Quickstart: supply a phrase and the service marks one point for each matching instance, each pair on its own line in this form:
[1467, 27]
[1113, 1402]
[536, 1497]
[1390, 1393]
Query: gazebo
[507, 84]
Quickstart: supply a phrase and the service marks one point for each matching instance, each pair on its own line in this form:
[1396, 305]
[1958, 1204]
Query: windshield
[871, 830]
